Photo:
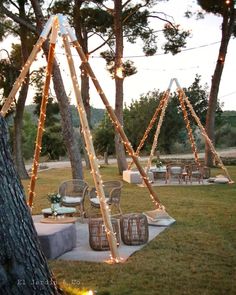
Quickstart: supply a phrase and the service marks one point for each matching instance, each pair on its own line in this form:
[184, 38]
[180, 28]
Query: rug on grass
[83, 252]
[162, 182]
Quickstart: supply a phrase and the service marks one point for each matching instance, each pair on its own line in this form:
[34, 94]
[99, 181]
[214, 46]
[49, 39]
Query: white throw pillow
[222, 180]
[72, 200]
[96, 201]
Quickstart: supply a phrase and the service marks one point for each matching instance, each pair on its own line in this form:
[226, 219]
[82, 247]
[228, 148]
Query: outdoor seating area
[87, 241]
[57, 227]
[171, 174]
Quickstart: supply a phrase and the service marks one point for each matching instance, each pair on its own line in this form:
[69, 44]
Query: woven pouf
[97, 234]
[134, 229]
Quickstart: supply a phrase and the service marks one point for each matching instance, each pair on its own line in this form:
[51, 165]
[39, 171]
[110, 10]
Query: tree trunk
[119, 80]
[20, 106]
[72, 145]
[18, 125]
[82, 37]
[23, 267]
[227, 28]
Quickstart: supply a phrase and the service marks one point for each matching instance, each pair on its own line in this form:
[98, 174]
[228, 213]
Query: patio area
[81, 249]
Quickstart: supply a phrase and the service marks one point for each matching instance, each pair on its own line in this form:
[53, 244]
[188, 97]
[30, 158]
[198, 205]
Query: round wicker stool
[134, 229]
[97, 234]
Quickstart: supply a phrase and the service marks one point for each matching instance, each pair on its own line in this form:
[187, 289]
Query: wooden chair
[112, 190]
[73, 193]
[196, 172]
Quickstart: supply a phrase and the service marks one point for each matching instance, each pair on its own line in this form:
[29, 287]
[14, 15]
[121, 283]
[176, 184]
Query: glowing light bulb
[119, 73]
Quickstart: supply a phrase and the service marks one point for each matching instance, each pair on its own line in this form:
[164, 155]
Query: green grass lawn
[196, 255]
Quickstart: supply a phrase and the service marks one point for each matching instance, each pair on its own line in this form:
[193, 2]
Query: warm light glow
[119, 72]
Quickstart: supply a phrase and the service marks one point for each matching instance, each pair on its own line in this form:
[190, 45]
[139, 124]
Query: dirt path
[230, 152]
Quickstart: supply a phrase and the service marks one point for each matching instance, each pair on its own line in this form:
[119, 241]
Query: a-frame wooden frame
[185, 104]
[55, 23]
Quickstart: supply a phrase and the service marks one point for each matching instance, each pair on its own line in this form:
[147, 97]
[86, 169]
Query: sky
[155, 72]
[199, 57]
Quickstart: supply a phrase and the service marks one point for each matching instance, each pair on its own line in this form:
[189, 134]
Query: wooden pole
[90, 149]
[42, 116]
[37, 47]
[203, 131]
[188, 127]
[114, 119]
[151, 123]
[163, 111]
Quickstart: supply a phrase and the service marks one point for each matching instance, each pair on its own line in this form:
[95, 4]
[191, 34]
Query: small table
[158, 172]
[58, 220]
[67, 211]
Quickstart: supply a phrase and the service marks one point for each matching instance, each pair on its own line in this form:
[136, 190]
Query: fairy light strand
[155, 141]
[42, 116]
[188, 127]
[91, 153]
[24, 70]
[204, 134]
[149, 128]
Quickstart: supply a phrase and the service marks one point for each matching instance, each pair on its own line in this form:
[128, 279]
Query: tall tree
[52, 144]
[67, 128]
[112, 22]
[22, 32]
[227, 10]
[88, 21]
[119, 79]
[23, 267]
[130, 22]
[20, 105]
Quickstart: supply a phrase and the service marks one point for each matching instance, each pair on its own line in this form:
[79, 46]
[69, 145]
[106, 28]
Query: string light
[150, 56]
[119, 72]
[204, 134]
[189, 130]
[155, 141]
[42, 117]
[146, 133]
[24, 70]
[91, 154]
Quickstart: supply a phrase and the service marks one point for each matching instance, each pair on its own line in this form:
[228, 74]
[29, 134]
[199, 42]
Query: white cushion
[96, 201]
[222, 180]
[134, 176]
[72, 200]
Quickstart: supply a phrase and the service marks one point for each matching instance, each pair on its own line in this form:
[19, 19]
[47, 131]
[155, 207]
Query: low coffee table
[66, 211]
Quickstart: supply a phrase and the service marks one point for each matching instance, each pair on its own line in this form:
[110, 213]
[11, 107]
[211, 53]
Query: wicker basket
[134, 229]
[97, 235]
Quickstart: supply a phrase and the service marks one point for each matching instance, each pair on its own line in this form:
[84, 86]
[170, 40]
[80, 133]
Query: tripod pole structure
[204, 133]
[114, 118]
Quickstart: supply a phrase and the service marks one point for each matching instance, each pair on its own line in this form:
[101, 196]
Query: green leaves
[176, 39]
